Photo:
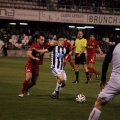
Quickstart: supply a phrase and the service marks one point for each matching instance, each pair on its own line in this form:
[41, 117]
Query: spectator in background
[5, 48]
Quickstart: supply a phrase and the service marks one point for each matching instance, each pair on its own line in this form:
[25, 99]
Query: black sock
[77, 75]
[87, 75]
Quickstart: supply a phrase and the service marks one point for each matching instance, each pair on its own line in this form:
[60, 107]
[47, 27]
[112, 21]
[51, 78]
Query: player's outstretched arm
[29, 53]
[53, 42]
[99, 49]
[105, 64]
[41, 51]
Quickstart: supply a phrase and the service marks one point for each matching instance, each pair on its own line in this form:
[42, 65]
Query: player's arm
[41, 51]
[105, 66]
[53, 42]
[68, 52]
[29, 53]
[99, 49]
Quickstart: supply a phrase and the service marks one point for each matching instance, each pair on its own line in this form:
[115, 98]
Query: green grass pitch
[39, 105]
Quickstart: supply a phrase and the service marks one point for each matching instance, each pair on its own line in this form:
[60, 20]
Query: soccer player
[58, 54]
[92, 45]
[32, 66]
[68, 56]
[80, 57]
[112, 89]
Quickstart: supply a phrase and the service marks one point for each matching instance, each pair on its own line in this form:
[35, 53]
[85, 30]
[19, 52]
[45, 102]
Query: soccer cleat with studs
[55, 95]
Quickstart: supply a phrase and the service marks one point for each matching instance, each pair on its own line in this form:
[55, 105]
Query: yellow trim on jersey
[80, 44]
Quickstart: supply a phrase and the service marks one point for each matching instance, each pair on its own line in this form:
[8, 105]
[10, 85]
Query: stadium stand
[22, 38]
[86, 6]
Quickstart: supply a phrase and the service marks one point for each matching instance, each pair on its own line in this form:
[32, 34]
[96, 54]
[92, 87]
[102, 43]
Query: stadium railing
[53, 6]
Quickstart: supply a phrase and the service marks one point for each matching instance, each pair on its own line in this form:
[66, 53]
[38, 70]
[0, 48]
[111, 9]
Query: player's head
[60, 40]
[80, 34]
[41, 39]
[92, 37]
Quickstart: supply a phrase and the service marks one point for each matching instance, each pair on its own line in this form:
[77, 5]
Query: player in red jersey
[32, 65]
[92, 45]
[68, 56]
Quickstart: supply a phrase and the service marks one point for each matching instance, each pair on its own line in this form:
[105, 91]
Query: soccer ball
[80, 98]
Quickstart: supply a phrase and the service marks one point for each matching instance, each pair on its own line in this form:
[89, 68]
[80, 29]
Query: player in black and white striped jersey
[58, 53]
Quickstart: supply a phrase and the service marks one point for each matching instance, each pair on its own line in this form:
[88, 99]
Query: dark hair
[59, 36]
[41, 34]
[92, 34]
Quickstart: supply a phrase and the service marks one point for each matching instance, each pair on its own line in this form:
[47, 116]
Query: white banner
[103, 19]
[27, 15]
[7, 13]
[66, 17]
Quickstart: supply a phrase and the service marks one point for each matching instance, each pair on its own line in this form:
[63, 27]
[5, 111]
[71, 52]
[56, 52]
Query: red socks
[25, 84]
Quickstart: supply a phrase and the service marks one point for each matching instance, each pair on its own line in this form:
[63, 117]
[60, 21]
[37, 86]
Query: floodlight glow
[117, 28]
[23, 23]
[80, 27]
[71, 26]
[89, 26]
[12, 23]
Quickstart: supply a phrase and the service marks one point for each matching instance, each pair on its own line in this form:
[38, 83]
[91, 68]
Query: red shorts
[91, 58]
[30, 68]
[68, 57]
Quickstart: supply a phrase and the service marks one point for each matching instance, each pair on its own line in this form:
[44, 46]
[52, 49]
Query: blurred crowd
[23, 37]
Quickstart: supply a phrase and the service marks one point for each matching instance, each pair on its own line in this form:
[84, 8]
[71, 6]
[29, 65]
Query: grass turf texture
[39, 105]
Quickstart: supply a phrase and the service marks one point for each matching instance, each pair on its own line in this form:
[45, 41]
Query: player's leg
[32, 82]
[96, 73]
[58, 87]
[93, 70]
[86, 73]
[61, 82]
[76, 73]
[77, 62]
[90, 69]
[25, 83]
[71, 63]
[83, 62]
[96, 111]
[65, 62]
[110, 91]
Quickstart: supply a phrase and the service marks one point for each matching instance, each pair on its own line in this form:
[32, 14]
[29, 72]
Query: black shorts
[81, 59]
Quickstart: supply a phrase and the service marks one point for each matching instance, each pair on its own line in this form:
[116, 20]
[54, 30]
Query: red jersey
[68, 45]
[91, 46]
[33, 62]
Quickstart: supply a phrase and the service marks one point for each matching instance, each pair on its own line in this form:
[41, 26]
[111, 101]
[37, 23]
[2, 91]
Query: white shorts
[111, 90]
[56, 72]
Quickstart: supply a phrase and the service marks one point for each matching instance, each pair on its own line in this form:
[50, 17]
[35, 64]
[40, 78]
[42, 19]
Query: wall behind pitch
[22, 53]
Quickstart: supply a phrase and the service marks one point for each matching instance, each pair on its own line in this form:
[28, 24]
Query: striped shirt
[57, 56]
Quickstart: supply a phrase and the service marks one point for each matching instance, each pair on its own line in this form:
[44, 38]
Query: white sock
[95, 114]
[58, 88]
